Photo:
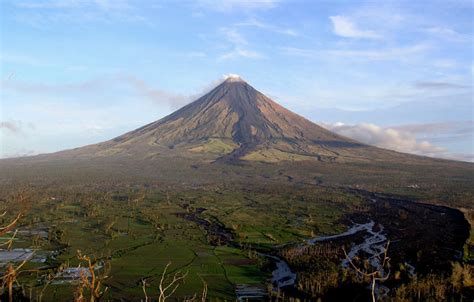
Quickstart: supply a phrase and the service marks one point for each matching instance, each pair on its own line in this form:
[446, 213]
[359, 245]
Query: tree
[91, 280]
[377, 274]
[11, 274]
[168, 287]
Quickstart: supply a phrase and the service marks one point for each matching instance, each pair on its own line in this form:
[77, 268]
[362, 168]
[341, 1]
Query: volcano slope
[251, 175]
[232, 123]
[236, 134]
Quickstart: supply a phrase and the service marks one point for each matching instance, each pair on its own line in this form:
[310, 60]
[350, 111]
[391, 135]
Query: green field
[135, 221]
[138, 234]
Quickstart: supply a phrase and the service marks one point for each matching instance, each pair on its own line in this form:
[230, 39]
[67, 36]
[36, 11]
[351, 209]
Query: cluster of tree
[320, 276]
[88, 279]
[310, 257]
[432, 287]
[318, 266]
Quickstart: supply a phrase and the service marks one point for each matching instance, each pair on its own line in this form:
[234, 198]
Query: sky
[396, 74]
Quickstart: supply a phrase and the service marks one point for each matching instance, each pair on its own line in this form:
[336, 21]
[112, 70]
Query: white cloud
[442, 31]
[449, 128]
[190, 54]
[438, 85]
[12, 126]
[239, 46]
[39, 88]
[41, 14]
[448, 34]
[233, 36]
[74, 4]
[96, 86]
[386, 54]
[412, 138]
[399, 53]
[461, 156]
[195, 54]
[20, 59]
[156, 95]
[344, 27]
[268, 27]
[388, 138]
[232, 76]
[19, 152]
[233, 5]
[48, 4]
[445, 63]
[240, 53]
[301, 52]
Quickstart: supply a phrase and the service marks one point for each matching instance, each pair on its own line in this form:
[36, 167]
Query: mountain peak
[231, 77]
[238, 120]
[233, 123]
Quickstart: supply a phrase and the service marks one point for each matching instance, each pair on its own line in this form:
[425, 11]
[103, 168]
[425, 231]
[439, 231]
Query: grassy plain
[132, 213]
[140, 233]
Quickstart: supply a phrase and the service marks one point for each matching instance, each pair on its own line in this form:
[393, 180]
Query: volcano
[232, 134]
[233, 123]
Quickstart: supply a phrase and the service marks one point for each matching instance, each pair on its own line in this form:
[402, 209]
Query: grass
[275, 155]
[139, 248]
[262, 204]
[215, 146]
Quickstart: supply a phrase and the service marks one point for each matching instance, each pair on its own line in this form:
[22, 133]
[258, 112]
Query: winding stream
[373, 245]
[23, 254]
[282, 276]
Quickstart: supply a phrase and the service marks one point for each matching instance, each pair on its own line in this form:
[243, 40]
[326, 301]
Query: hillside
[238, 131]
[233, 123]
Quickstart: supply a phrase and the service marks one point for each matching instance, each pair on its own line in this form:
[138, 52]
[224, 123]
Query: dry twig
[168, 290]
[92, 281]
[376, 275]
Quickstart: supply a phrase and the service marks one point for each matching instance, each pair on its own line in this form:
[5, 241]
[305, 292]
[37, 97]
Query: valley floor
[234, 241]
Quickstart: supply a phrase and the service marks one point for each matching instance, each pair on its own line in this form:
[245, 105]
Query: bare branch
[377, 274]
[93, 281]
[144, 289]
[167, 291]
[7, 228]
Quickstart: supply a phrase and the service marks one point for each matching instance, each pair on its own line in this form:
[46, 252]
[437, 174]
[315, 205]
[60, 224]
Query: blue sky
[397, 74]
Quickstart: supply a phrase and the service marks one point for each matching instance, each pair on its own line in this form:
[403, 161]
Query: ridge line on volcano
[232, 123]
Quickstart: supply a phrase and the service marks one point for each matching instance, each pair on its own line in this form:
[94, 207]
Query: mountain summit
[231, 123]
[234, 121]
[233, 133]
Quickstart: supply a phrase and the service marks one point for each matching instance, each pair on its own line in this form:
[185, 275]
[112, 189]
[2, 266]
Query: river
[373, 245]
